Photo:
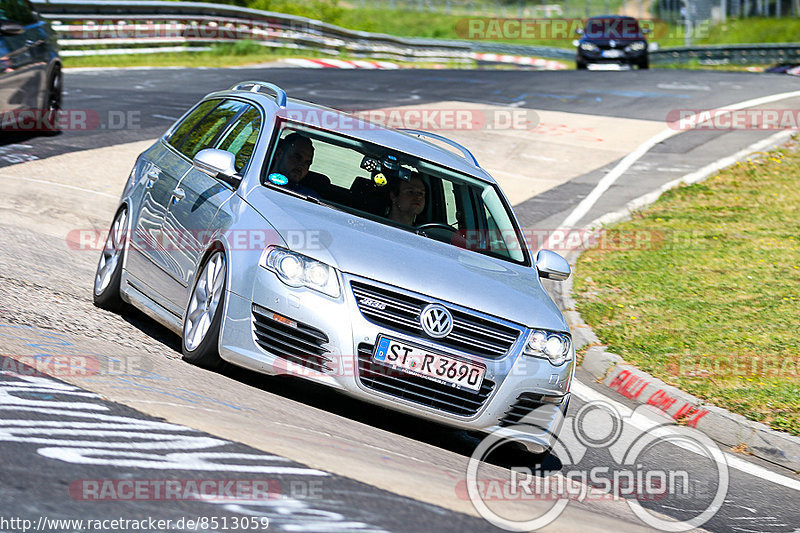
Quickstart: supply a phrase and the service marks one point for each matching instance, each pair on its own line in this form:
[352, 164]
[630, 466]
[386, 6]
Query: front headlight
[297, 270]
[557, 347]
[637, 46]
[589, 47]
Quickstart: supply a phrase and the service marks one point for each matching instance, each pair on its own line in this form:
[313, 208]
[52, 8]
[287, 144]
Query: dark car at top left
[30, 70]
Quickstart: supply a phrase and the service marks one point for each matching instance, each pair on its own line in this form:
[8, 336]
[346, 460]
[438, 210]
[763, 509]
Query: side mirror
[8, 27]
[552, 266]
[579, 31]
[645, 31]
[218, 164]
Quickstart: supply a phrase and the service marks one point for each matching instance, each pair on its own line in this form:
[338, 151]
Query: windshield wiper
[306, 197]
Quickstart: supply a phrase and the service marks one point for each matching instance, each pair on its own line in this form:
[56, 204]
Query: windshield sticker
[278, 179]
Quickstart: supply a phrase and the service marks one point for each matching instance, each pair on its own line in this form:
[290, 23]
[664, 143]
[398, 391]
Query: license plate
[430, 365]
[612, 53]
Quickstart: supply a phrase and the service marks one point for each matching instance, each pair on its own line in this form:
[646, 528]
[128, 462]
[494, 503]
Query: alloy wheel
[204, 302]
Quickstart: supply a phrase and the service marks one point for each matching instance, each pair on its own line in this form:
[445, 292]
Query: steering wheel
[439, 225]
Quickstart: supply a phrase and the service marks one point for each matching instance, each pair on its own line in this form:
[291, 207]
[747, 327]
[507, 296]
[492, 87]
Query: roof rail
[280, 94]
[466, 153]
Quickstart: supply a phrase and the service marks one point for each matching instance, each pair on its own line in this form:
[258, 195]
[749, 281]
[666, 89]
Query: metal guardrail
[149, 26]
[137, 23]
[741, 54]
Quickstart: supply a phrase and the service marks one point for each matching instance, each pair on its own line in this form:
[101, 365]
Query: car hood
[368, 249]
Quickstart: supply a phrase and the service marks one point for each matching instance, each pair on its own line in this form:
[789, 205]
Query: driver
[407, 199]
[293, 157]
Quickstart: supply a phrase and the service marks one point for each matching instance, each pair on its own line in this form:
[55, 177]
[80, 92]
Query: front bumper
[300, 332]
[624, 57]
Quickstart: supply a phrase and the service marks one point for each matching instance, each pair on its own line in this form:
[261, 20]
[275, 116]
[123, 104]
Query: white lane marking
[76, 441]
[644, 424]
[683, 87]
[172, 404]
[692, 177]
[64, 185]
[539, 157]
[100, 70]
[608, 180]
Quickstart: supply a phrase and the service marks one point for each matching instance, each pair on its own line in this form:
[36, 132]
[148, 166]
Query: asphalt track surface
[33, 484]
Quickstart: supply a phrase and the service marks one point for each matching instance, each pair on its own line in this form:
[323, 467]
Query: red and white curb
[544, 64]
[341, 63]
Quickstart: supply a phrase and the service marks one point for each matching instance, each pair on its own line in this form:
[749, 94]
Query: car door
[20, 67]
[197, 198]
[163, 169]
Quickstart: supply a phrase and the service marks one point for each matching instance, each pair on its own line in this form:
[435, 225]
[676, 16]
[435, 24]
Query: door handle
[152, 178]
[178, 194]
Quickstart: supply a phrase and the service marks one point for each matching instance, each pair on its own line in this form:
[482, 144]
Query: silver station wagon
[290, 238]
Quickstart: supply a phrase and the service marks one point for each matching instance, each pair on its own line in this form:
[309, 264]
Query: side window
[210, 127]
[240, 139]
[188, 124]
[18, 11]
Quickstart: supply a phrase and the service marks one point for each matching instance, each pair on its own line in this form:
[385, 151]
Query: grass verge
[705, 294]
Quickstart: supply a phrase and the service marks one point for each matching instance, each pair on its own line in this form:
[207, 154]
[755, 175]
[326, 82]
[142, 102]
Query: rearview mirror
[8, 27]
[218, 164]
[552, 266]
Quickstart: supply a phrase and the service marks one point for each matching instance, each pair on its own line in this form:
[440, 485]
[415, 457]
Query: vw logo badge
[612, 43]
[436, 321]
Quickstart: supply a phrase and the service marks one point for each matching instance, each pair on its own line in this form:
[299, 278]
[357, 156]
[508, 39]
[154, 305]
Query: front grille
[399, 311]
[298, 343]
[529, 409]
[419, 390]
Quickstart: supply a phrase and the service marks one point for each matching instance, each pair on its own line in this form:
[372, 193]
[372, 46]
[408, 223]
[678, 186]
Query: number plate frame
[419, 354]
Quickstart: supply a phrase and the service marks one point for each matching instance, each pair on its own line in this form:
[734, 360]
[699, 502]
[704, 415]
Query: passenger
[293, 158]
[407, 199]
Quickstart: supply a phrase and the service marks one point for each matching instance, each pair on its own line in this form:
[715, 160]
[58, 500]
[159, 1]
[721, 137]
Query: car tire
[52, 103]
[203, 318]
[580, 65]
[106, 292]
[644, 64]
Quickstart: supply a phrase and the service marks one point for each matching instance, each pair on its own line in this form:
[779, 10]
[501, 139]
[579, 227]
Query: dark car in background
[30, 69]
[612, 39]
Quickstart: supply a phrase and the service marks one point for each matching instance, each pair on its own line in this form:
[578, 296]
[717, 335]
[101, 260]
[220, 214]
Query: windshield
[395, 189]
[612, 28]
